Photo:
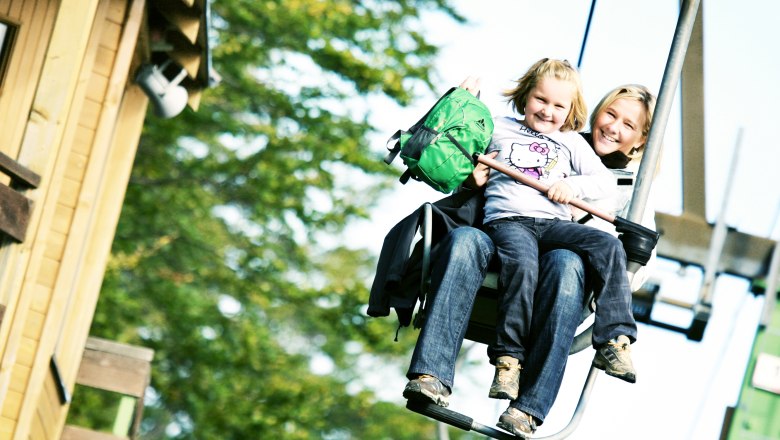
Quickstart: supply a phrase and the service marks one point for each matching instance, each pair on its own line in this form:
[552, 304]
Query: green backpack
[439, 149]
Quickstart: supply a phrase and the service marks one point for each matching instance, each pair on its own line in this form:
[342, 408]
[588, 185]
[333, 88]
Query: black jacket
[397, 281]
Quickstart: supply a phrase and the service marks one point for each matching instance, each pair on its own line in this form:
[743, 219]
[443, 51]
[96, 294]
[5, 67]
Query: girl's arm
[479, 177]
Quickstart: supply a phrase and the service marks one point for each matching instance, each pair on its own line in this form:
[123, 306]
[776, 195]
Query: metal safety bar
[456, 419]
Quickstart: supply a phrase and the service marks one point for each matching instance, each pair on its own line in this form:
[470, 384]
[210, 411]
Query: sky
[683, 387]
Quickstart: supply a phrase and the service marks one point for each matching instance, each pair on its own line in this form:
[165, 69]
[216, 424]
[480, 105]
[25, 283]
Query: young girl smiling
[522, 222]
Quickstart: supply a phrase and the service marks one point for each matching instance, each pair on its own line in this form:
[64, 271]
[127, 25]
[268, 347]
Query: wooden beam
[40, 148]
[77, 433]
[115, 367]
[118, 169]
[124, 350]
[15, 211]
[72, 306]
[115, 173]
[85, 234]
[31, 42]
[19, 174]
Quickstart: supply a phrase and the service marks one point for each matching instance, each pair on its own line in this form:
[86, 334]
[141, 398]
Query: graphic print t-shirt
[547, 158]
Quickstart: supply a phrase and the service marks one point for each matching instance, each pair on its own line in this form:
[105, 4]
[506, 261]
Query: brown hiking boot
[614, 358]
[427, 388]
[506, 382]
[517, 422]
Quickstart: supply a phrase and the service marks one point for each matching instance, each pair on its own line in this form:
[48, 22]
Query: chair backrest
[482, 324]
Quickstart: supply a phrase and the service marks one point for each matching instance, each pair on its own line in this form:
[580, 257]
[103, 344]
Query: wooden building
[71, 114]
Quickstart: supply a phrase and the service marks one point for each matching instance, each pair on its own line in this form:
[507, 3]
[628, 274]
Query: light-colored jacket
[619, 205]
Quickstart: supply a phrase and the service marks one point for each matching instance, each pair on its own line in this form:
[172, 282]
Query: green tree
[225, 261]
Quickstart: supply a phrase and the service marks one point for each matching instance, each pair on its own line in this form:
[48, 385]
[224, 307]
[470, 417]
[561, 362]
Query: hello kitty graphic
[534, 159]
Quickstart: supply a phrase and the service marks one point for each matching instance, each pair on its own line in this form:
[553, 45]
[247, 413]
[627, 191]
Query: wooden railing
[118, 368]
[15, 207]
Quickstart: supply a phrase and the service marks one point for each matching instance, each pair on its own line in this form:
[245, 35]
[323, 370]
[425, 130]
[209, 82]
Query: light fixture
[167, 96]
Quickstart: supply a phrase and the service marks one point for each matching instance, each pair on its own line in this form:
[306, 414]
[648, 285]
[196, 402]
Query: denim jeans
[518, 242]
[457, 274]
[558, 305]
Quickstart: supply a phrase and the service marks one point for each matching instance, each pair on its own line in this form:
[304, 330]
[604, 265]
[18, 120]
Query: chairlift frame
[672, 72]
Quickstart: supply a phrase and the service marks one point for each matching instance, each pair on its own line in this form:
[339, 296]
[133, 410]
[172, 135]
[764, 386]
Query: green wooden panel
[757, 413]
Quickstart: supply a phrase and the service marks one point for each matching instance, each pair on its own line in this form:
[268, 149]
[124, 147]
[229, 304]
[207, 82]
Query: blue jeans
[458, 272]
[518, 242]
[558, 305]
[456, 275]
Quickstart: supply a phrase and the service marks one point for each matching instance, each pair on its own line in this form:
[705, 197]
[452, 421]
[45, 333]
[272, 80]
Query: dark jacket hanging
[397, 281]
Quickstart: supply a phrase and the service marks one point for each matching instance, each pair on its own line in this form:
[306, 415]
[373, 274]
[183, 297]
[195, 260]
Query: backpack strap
[463, 150]
[396, 148]
[406, 176]
[393, 152]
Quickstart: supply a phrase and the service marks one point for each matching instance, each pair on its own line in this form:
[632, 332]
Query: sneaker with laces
[614, 358]
[429, 389]
[506, 381]
[517, 422]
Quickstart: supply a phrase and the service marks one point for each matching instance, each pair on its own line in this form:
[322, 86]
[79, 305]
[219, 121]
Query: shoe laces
[621, 343]
[506, 371]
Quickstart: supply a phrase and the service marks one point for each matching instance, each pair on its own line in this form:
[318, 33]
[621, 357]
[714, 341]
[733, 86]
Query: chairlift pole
[720, 230]
[585, 36]
[682, 36]
[772, 277]
[703, 307]
[770, 293]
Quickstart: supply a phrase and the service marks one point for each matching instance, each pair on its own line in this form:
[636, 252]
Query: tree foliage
[225, 261]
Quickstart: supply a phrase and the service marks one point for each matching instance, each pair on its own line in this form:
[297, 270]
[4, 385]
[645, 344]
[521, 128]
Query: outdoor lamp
[167, 96]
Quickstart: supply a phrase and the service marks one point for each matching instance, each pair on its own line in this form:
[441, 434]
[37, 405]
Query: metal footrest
[456, 419]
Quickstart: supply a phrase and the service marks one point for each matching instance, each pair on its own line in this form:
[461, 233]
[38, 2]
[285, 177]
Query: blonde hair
[558, 69]
[634, 92]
